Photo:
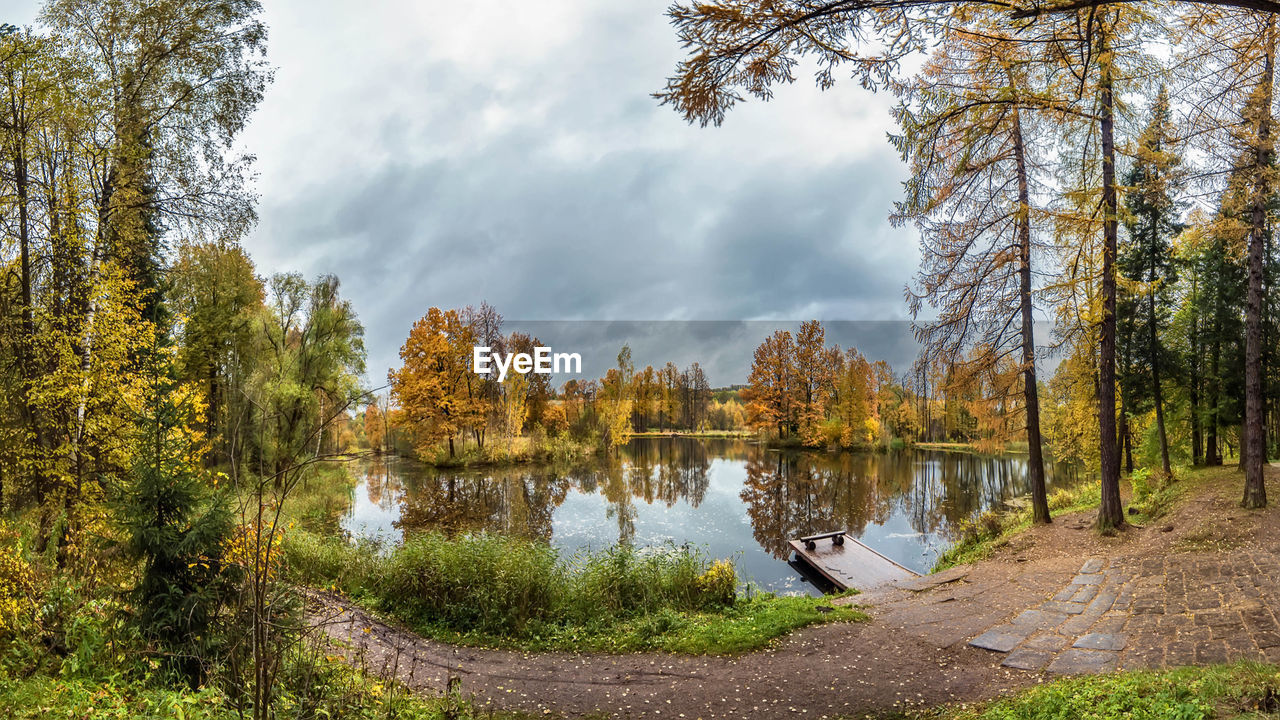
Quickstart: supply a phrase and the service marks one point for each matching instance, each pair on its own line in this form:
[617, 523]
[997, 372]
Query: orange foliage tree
[435, 389]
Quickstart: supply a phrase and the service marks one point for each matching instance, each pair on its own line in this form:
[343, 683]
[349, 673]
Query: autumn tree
[969, 126]
[855, 403]
[375, 428]
[1233, 55]
[214, 296]
[435, 388]
[770, 395]
[814, 378]
[615, 400]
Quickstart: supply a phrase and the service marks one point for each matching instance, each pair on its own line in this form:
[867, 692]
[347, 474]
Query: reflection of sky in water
[369, 519]
[904, 506]
[718, 525]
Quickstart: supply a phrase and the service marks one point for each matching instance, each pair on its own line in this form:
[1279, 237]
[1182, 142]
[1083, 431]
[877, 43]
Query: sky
[435, 153]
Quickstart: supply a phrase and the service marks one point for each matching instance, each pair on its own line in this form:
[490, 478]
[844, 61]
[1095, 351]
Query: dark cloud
[434, 153]
[722, 347]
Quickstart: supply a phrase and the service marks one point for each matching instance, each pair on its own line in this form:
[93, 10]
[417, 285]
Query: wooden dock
[847, 563]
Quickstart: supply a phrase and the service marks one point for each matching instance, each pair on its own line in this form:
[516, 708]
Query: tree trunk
[1035, 457]
[1110, 512]
[1126, 438]
[1155, 383]
[26, 343]
[1251, 439]
[1193, 381]
[1212, 453]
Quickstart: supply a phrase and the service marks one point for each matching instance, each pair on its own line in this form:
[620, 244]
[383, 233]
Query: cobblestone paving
[1154, 612]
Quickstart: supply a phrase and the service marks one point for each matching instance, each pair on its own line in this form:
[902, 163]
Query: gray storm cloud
[441, 154]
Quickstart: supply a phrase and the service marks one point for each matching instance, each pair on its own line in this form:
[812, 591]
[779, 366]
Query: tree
[813, 379]
[535, 388]
[615, 400]
[751, 45]
[966, 122]
[1147, 261]
[176, 522]
[855, 404]
[1110, 513]
[375, 428]
[486, 325]
[215, 297]
[770, 393]
[697, 396]
[172, 83]
[312, 349]
[434, 388]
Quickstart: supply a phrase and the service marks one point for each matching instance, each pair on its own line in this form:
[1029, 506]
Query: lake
[731, 498]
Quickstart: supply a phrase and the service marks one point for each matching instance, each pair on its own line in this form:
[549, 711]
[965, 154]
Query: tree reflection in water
[791, 494]
[732, 496]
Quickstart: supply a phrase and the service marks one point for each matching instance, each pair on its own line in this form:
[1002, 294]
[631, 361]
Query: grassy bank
[515, 451]
[505, 592]
[1149, 496]
[983, 535]
[1244, 690]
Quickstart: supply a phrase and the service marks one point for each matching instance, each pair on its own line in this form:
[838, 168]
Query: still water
[732, 498]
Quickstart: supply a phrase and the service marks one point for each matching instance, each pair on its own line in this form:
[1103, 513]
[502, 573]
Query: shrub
[489, 589]
[1139, 480]
[485, 583]
[719, 584]
[17, 584]
[321, 561]
[622, 582]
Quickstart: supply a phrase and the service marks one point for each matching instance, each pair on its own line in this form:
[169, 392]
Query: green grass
[54, 698]
[496, 591]
[751, 624]
[1242, 690]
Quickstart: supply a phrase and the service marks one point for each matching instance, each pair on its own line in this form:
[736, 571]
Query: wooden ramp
[847, 563]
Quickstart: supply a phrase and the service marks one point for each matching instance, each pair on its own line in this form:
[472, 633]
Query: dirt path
[1207, 581]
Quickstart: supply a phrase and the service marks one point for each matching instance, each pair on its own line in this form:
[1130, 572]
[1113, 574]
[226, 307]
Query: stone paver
[1068, 608]
[1152, 612]
[1076, 661]
[1100, 641]
[1025, 658]
[1002, 638]
[1039, 619]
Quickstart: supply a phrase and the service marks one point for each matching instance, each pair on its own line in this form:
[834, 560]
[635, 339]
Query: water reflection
[732, 497]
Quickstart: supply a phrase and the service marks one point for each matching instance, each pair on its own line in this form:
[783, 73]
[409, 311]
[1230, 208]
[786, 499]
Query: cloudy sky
[444, 153]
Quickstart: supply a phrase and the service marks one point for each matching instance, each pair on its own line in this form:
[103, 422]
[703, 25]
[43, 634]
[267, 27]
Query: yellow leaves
[719, 583]
[92, 388]
[434, 387]
[17, 585]
[256, 549]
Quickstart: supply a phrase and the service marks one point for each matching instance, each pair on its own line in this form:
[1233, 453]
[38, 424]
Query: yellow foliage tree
[435, 388]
